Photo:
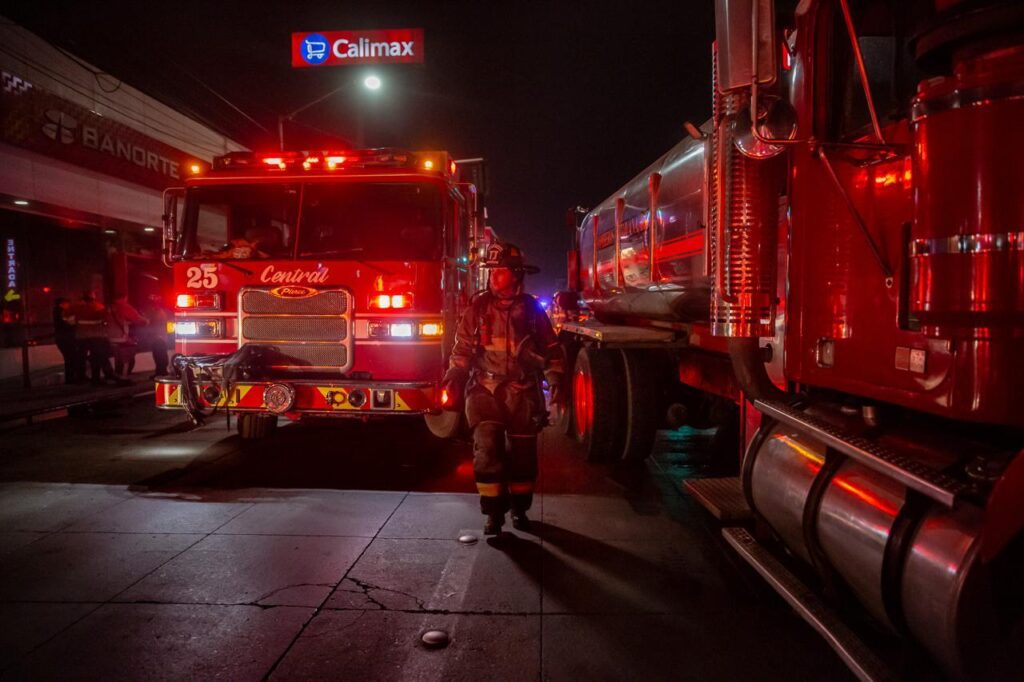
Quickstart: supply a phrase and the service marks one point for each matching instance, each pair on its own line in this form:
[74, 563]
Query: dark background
[566, 100]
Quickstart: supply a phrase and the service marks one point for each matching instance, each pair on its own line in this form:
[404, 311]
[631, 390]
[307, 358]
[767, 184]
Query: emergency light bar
[430, 161]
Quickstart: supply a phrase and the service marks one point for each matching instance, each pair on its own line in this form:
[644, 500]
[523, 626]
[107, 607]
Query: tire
[598, 403]
[254, 426]
[641, 402]
[565, 424]
[445, 425]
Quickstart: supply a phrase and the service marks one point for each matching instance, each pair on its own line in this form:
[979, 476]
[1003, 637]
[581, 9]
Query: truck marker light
[446, 398]
[452, 167]
[391, 301]
[428, 164]
[356, 397]
[431, 329]
[207, 301]
[170, 327]
[401, 330]
[195, 169]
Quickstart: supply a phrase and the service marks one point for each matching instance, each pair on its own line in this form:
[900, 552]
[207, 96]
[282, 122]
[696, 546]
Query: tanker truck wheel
[641, 405]
[597, 401]
[565, 423]
[253, 426]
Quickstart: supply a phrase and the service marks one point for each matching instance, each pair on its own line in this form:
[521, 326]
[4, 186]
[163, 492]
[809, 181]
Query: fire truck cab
[320, 284]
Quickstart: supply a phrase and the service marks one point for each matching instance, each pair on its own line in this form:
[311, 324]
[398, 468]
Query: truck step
[854, 653]
[723, 497]
[933, 484]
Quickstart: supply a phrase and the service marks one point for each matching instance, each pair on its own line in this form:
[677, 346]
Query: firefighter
[502, 345]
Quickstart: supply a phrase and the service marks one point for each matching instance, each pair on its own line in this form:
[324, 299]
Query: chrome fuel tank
[914, 568]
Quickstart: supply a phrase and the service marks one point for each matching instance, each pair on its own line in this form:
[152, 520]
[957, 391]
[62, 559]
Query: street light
[371, 82]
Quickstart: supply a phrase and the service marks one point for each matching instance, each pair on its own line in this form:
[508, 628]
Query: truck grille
[262, 302]
[308, 333]
[291, 328]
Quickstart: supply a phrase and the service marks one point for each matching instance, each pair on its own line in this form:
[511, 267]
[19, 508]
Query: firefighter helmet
[506, 255]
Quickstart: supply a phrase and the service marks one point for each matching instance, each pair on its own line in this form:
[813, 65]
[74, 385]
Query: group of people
[89, 334]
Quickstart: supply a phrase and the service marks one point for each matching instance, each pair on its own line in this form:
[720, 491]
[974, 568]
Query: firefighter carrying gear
[501, 347]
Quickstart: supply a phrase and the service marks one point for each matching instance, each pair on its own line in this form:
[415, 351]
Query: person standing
[91, 337]
[503, 343]
[64, 337]
[153, 336]
[122, 317]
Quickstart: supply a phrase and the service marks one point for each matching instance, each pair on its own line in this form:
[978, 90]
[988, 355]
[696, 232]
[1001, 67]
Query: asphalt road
[132, 547]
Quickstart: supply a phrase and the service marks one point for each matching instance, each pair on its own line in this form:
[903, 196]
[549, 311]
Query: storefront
[84, 159]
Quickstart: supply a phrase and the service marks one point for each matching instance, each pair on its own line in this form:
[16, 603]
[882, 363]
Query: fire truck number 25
[202, 277]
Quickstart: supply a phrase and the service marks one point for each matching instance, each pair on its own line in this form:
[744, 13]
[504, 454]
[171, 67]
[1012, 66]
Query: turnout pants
[504, 446]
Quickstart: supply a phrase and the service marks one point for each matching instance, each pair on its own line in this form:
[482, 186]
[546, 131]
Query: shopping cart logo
[314, 49]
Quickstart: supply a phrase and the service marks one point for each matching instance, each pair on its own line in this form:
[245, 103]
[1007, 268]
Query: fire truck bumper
[311, 397]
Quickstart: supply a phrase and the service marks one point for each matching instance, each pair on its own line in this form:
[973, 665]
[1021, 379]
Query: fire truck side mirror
[742, 60]
[172, 198]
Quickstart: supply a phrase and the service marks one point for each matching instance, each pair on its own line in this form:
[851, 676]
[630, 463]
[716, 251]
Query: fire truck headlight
[431, 329]
[401, 330]
[203, 329]
[279, 398]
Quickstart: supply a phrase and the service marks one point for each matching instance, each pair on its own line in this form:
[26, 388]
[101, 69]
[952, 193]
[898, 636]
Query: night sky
[566, 100]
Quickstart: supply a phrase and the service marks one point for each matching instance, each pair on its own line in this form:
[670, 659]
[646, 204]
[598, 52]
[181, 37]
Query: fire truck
[318, 284]
[831, 267]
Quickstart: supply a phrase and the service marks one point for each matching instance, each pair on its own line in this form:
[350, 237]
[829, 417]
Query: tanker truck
[830, 268]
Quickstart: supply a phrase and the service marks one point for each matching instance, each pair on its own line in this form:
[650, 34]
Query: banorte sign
[42, 122]
[341, 48]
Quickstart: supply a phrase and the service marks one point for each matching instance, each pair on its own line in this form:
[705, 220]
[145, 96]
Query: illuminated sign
[11, 262]
[341, 48]
[42, 122]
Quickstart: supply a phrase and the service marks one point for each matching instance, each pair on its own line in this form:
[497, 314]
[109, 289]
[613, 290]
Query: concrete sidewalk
[50, 397]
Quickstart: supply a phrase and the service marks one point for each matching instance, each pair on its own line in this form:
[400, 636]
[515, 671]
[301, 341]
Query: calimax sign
[339, 48]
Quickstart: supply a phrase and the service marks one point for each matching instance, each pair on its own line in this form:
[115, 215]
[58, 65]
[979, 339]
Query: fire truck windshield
[378, 221]
[367, 221]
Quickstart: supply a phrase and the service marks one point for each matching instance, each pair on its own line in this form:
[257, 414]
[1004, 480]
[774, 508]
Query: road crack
[366, 588]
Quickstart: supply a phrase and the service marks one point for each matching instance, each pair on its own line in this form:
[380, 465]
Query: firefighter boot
[493, 524]
[520, 521]
[522, 474]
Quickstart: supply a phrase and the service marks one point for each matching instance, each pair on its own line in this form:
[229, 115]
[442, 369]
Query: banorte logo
[60, 127]
[315, 49]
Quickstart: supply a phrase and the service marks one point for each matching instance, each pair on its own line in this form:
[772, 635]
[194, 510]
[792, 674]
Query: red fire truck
[833, 266]
[318, 284]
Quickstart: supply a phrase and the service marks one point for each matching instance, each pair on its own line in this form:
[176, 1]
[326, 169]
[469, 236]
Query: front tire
[597, 400]
[255, 426]
[445, 425]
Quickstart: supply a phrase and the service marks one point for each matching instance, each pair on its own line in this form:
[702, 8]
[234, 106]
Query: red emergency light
[331, 160]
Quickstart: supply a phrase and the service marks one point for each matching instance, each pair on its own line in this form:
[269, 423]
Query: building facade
[84, 159]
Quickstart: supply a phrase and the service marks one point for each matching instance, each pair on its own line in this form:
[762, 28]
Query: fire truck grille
[262, 302]
[310, 356]
[294, 328]
[305, 333]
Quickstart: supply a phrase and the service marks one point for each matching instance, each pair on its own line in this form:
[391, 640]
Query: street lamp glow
[372, 82]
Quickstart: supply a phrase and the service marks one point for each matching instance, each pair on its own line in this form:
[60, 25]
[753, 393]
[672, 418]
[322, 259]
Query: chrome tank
[659, 212]
[936, 589]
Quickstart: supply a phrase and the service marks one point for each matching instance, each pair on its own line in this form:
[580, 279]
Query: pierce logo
[293, 292]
